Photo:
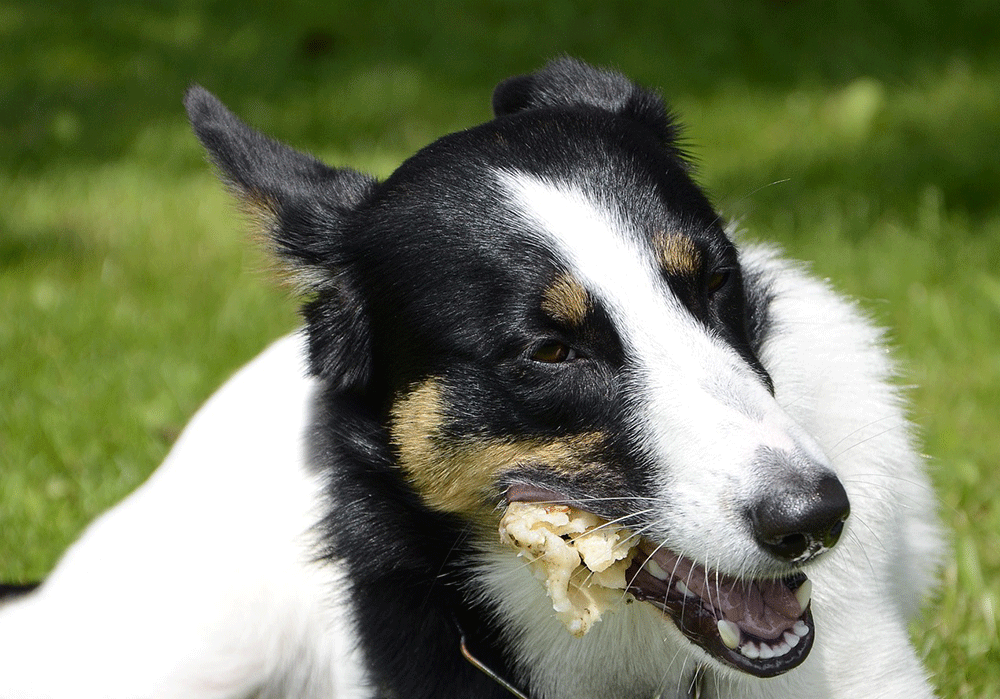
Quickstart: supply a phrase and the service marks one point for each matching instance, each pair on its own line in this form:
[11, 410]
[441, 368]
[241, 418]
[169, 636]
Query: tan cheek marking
[677, 253]
[459, 476]
[566, 300]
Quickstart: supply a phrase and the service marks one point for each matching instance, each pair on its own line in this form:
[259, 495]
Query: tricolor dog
[547, 431]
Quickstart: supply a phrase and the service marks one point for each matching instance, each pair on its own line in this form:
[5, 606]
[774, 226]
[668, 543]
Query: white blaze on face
[701, 412]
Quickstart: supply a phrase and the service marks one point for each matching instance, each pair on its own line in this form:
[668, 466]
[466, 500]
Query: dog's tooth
[800, 629]
[791, 639]
[729, 633]
[781, 649]
[804, 594]
[654, 569]
[683, 589]
[750, 650]
[766, 652]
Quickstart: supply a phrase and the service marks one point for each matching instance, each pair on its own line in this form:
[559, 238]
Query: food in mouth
[580, 558]
[588, 565]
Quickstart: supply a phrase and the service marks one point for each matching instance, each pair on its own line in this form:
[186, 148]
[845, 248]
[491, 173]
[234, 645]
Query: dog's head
[546, 306]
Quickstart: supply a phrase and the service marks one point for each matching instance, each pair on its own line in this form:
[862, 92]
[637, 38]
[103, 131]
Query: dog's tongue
[763, 608]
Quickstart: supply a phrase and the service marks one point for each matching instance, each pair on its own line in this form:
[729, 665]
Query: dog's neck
[694, 691]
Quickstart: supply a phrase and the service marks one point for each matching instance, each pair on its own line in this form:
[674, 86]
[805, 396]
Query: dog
[542, 310]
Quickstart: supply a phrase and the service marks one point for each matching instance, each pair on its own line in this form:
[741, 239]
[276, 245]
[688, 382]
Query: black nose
[802, 519]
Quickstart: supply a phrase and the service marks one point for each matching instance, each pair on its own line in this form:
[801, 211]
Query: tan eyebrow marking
[566, 301]
[676, 253]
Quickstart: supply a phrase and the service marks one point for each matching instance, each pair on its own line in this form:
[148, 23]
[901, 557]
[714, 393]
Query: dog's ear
[300, 203]
[567, 82]
[302, 207]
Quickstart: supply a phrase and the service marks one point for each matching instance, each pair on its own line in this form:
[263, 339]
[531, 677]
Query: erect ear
[303, 208]
[300, 203]
[567, 82]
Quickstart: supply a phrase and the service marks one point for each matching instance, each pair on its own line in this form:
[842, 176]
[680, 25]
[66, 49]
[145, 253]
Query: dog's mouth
[763, 627]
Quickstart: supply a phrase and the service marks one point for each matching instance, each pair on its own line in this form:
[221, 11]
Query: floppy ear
[567, 82]
[303, 208]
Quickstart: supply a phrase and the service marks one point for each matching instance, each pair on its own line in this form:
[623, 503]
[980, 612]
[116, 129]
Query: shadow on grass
[81, 80]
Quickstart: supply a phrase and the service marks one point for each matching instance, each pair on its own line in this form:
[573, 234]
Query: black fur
[571, 83]
[420, 276]
[308, 207]
[10, 591]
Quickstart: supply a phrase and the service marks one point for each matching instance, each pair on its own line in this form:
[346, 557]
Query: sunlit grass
[865, 143]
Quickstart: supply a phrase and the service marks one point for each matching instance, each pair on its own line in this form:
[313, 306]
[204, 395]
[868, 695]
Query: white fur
[834, 400]
[201, 584]
[832, 375]
[700, 407]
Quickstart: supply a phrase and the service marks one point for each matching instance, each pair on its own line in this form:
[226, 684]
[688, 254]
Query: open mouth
[763, 627]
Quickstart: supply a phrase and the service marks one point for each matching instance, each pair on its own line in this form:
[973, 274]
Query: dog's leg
[201, 584]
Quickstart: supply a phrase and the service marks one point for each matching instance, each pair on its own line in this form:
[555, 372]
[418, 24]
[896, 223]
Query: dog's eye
[553, 352]
[717, 280]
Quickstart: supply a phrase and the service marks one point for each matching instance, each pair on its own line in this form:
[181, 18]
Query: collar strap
[488, 671]
[694, 688]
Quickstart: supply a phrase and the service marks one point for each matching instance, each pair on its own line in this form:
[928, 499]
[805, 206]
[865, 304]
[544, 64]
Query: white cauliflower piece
[580, 558]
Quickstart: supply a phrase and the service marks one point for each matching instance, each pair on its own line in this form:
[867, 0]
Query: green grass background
[862, 136]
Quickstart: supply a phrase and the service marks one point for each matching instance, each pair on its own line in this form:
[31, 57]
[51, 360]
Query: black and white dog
[543, 307]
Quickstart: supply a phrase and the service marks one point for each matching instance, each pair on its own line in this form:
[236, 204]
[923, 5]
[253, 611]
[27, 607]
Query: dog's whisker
[867, 425]
[718, 587]
[581, 499]
[861, 547]
[649, 557]
[611, 523]
[872, 531]
[666, 672]
[640, 567]
[639, 533]
[718, 684]
[709, 571]
[849, 551]
[687, 583]
[787, 405]
[734, 227]
[867, 439]
[906, 502]
[680, 677]
[877, 481]
[879, 477]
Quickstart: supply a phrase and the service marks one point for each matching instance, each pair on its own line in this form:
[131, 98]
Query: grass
[860, 137]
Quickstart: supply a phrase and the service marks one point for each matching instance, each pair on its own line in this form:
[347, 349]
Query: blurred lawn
[862, 138]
